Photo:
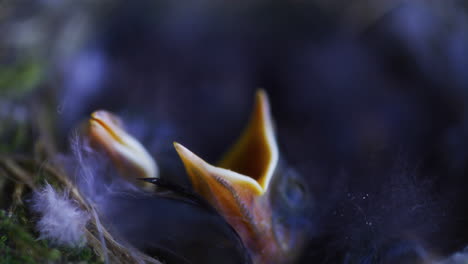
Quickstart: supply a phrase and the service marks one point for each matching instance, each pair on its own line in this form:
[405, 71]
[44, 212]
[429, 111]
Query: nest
[20, 176]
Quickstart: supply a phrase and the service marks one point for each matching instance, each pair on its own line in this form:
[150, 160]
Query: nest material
[19, 176]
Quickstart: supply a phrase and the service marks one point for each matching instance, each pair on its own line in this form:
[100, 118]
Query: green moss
[21, 78]
[19, 244]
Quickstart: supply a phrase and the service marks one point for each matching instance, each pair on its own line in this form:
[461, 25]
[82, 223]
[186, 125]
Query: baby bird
[167, 222]
[266, 202]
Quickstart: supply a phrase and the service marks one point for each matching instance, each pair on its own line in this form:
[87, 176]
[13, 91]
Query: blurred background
[369, 98]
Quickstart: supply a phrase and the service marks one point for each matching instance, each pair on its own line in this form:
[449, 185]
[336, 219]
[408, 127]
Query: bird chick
[264, 201]
[169, 223]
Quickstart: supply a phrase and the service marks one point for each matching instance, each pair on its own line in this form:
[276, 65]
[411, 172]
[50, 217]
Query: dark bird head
[266, 203]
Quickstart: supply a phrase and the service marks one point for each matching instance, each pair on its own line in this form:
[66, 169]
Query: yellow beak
[239, 188]
[107, 133]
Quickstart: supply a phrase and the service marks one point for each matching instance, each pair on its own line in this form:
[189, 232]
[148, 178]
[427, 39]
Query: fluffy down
[61, 220]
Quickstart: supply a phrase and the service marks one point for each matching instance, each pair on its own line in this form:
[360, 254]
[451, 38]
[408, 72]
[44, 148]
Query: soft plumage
[61, 220]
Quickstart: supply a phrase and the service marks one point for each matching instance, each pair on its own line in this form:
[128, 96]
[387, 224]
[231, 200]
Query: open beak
[107, 133]
[239, 187]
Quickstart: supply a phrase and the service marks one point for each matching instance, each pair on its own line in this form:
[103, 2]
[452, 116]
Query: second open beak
[132, 159]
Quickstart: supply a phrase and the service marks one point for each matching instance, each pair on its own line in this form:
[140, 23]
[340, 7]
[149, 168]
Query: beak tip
[97, 114]
[261, 92]
[189, 159]
[261, 101]
[261, 95]
[179, 148]
[182, 151]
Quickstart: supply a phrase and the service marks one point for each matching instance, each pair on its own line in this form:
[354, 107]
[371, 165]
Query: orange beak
[240, 188]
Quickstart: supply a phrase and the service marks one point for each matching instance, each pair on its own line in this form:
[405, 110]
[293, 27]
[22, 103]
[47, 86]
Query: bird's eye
[294, 190]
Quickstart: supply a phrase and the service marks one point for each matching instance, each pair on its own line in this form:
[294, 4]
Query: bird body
[173, 228]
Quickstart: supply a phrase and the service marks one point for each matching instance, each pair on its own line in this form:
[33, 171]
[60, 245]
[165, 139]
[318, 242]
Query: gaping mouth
[250, 162]
[237, 187]
[255, 154]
